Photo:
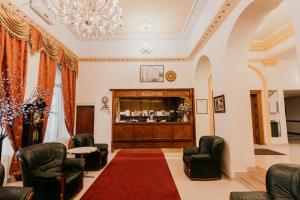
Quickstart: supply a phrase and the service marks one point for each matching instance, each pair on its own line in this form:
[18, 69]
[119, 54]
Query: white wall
[202, 73]
[230, 80]
[95, 79]
[285, 74]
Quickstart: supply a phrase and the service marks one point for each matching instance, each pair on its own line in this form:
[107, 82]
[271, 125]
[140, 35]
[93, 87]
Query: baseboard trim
[225, 173]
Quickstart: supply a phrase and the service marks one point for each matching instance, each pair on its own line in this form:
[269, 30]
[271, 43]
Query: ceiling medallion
[146, 48]
[170, 75]
[89, 19]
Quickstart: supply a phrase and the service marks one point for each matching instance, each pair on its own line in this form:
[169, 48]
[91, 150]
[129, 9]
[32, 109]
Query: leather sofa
[282, 182]
[95, 160]
[203, 162]
[53, 176]
[13, 193]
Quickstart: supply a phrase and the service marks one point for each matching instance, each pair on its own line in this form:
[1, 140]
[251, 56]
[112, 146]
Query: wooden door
[85, 119]
[257, 122]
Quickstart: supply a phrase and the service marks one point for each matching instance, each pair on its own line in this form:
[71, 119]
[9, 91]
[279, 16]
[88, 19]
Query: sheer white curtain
[56, 127]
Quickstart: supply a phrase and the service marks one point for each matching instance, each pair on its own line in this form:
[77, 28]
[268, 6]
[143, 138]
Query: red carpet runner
[134, 176]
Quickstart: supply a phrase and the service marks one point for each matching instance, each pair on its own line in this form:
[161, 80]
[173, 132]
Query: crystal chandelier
[146, 48]
[89, 19]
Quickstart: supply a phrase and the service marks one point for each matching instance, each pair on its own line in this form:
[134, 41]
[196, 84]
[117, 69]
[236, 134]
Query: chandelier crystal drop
[89, 19]
[146, 48]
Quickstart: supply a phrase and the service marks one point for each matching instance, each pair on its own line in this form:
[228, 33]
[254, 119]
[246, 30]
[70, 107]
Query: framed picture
[219, 104]
[151, 73]
[201, 106]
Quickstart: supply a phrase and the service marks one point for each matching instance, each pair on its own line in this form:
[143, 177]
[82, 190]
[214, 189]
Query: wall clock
[170, 75]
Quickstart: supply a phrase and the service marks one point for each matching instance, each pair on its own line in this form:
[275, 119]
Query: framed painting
[152, 73]
[219, 104]
[201, 106]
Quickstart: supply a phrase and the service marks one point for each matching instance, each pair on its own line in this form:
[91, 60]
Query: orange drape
[46, 80]
[69, 93]
[13, 59]
[35, 40]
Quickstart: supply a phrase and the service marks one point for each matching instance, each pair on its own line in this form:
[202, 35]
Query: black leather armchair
[53, 176]
[95, 160]
[13, 193]
[282, 182]
[203, 162]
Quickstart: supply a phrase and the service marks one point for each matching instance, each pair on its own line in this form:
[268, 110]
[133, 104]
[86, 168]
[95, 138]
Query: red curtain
[13, 59]
[69, 93]
[46, 80]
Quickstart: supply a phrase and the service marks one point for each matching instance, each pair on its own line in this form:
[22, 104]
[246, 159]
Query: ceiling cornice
[274, 39]
[128, 59]
[214, 25]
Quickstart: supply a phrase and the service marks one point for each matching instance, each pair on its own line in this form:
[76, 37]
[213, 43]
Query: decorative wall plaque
[170, 75]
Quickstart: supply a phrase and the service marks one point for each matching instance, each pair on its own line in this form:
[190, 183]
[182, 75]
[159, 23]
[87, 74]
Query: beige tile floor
[291, 150]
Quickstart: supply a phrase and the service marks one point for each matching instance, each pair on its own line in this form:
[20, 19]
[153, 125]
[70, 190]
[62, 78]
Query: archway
[266, 114]
[203, 90]
[237, 123]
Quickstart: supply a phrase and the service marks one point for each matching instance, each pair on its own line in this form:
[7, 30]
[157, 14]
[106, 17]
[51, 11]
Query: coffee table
[82, 151]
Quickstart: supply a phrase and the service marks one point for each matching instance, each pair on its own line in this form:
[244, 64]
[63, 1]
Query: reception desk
[166, 132]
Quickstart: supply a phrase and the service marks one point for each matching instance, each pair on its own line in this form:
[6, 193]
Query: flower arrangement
[11, 107]
[184, 108]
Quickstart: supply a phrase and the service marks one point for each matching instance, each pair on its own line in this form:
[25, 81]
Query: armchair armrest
[200, 157]
[188, 151]
[41, 176]
[253, 195]
[102, 147]
[77, 163]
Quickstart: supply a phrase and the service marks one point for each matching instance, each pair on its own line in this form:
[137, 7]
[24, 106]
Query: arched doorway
[262, 96]
[203, 92]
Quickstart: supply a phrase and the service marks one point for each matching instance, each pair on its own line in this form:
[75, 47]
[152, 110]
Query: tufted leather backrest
[212, 145]
[283, 181]
[83, 139]
[45, 157]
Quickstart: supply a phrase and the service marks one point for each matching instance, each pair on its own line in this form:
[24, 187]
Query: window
[56, 127]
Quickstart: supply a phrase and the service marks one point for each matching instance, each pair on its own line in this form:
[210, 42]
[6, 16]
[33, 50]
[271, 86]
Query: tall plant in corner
[11, 104]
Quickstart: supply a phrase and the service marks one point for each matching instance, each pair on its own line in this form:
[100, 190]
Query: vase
[185, 118]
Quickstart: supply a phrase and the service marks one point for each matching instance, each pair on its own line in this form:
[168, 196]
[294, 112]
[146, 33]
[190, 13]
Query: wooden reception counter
[131, 127]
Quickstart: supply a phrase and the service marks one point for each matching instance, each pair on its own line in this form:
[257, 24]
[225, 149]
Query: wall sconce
[104, 106]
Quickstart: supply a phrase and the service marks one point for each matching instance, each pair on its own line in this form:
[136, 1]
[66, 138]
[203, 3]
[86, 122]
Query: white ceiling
[275, 20]
[178, 24]
[169, 17]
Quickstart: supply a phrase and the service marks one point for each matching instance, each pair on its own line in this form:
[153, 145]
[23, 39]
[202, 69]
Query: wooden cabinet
[135, 132]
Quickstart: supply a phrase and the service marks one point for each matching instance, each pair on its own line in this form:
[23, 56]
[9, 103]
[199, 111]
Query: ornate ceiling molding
[270, 62]
[273, 40]
[215, 24]
[217, 21]
[117, 59]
